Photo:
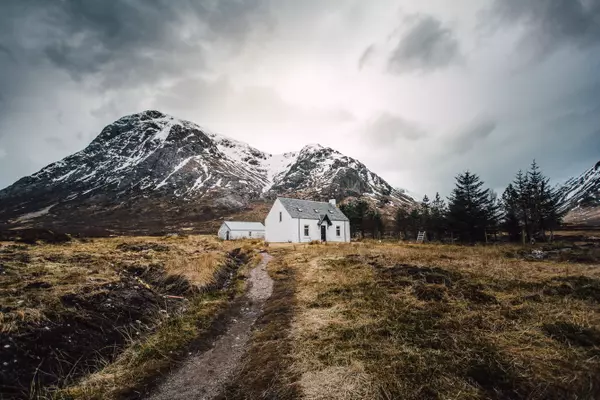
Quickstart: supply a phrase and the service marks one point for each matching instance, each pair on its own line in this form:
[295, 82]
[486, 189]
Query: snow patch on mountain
[35, 214]
[177, 168]
[275, 165]
[582, 191]
[154, 155]
[580, 197]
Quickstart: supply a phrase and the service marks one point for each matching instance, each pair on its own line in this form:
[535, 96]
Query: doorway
[323, 233]
[227, 235]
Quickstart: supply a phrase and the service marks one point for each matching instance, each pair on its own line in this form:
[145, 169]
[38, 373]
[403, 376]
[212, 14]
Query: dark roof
[307, 209]
[324, 217]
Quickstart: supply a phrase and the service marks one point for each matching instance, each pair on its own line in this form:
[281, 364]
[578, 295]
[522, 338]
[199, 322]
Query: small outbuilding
[231, 230]
[301, 221]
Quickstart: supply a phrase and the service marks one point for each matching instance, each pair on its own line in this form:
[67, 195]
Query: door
[323, 233]
[227, 235]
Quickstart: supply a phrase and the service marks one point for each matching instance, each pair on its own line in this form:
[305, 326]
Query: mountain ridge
[580, 197]
[151, 161]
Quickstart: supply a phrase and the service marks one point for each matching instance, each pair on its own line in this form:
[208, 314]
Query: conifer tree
[510, 219]
[535, 180]
[356, 211]
[425, 212]
[438, 217]
[530, 205]
[401, 222]
[522, 186]
[550, 214]
[374, 222]
[492, 213]
[469, 208]
[414, 221]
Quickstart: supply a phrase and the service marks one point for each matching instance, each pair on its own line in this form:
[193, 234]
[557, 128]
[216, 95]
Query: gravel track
[204, 375]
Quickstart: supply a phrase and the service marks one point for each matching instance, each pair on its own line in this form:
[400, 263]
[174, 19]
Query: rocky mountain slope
[152, 172]
[581, 197]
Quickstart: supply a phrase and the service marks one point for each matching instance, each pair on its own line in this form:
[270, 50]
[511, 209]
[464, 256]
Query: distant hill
[581, 198]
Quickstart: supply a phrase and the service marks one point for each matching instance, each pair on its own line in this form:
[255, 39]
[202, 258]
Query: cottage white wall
[280, 232]
[292, 230]
[344, 232]
[314, 231]
[348, 233]
[222, 231]
[246, 235]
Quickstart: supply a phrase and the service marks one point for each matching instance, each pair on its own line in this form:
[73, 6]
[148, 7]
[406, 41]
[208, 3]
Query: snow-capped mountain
[151, 166]
[581, 197]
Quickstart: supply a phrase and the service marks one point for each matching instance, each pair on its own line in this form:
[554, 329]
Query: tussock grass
[35, 277]
[123, 305]
[197, 267]
[382, 320]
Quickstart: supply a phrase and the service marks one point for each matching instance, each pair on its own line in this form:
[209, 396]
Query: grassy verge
[265, 371]
[432, 321]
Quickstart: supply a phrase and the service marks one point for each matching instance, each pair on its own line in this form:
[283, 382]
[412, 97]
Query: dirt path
[204, 375]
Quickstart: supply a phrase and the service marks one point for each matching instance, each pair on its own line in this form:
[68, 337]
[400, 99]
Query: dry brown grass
[196, 268]
[113, 289]
[435, 321]
[36, 277]
[362, 320]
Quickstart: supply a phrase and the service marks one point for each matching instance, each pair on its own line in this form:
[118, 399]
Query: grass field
[398, 321]
[114, 310]
[367, 320]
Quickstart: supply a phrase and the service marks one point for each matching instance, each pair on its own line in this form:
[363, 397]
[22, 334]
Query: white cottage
[298, 221]
[231, 230]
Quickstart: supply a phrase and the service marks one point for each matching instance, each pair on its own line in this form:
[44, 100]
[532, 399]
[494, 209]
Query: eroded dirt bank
[67, 309]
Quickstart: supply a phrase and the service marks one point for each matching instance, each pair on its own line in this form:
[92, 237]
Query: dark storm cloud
[469, 137]
[119, 43]
[550, 24]
[426, 46]
[97, 60]
[140, 40]
[235, 19]
[5, 52]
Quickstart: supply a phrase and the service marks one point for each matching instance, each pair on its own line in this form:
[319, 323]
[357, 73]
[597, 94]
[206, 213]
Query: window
[306, 230]
[337, 230]
[250, 234]
[280, 216]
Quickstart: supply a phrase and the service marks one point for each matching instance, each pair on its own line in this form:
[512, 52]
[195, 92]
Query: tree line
[527, 210]
[365, 220]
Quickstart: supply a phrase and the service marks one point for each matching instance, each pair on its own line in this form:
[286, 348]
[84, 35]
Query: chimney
[332, 202]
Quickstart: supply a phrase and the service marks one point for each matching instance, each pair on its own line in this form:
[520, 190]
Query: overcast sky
[417, 90]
